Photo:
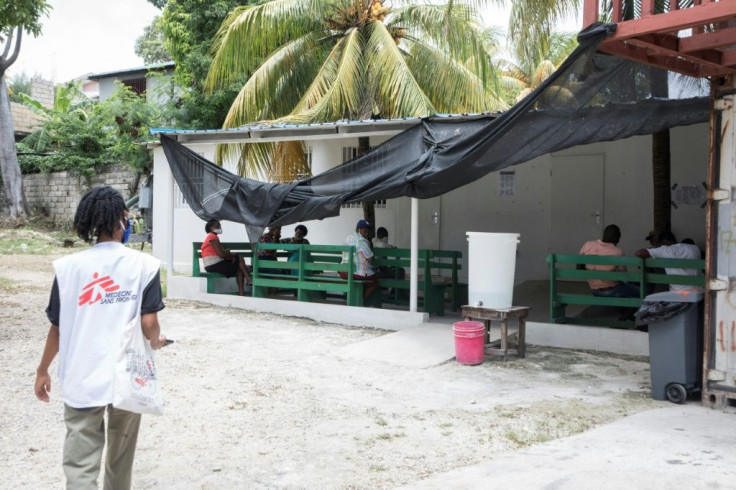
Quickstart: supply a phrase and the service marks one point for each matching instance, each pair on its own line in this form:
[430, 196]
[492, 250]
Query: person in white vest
[96, 293]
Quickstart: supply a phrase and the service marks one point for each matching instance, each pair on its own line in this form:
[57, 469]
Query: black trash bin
[675, 342]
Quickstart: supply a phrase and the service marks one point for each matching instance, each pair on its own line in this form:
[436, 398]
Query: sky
[95, 36]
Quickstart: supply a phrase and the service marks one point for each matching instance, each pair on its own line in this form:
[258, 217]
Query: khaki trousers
[85, 439]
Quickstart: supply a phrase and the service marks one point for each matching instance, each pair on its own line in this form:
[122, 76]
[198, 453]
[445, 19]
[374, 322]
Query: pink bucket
[469, 340]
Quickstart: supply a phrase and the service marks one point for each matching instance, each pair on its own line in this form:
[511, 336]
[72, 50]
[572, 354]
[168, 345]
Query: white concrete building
[150, 80]
[555, 202]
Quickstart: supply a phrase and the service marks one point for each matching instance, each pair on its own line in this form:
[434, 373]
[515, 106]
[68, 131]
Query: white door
[577, 201]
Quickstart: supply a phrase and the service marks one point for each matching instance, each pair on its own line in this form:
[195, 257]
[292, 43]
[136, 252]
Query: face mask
[126, 232]
[217, 231]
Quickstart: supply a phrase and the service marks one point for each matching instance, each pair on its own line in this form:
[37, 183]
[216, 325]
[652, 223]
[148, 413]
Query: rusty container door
[719, 373]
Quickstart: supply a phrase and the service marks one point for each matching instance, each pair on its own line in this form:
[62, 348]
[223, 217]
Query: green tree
[16, 17]
[19, 84]
[79, 134]
[150, 46]
[318, 61]
[189, 27]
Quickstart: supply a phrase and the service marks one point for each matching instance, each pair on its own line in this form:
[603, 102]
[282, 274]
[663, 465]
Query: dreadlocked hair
[99, 212]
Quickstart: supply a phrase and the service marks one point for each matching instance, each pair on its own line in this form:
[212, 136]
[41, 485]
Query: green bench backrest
[242, 248]
[562, 266]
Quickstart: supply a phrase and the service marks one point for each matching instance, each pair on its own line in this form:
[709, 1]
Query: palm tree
[327, 60]
[536, 65]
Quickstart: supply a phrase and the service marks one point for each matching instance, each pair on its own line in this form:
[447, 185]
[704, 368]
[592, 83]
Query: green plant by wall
[79, 134]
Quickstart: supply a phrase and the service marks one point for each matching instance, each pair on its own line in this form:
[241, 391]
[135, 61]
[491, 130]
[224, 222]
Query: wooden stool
[488, 315]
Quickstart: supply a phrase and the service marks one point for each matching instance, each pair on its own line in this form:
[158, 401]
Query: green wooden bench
[244, 249]
[315, 273]
[241, 248]
[433, 291]
[563, 267]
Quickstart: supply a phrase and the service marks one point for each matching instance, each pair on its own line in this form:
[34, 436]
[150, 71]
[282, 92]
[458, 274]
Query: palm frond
[289, 162]
[532, 22]
[336, 91]
[542, 72]
[251, 33]
[449, 85]
[453, 27]
[257, 100]
[398, 94]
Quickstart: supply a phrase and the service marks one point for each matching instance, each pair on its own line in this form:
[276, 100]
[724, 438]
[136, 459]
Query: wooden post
[590, 12]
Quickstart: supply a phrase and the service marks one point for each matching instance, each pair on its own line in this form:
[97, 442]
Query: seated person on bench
[609, 289]
[300, 232]
[362, 257]
[669, 249]
[381, 241]
[272, 235]
[220, 260]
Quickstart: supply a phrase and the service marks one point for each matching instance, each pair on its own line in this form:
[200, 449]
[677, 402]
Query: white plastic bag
[137, 387]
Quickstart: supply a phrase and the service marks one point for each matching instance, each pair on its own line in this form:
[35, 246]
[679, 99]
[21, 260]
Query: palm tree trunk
[369, 207]
[9, 167]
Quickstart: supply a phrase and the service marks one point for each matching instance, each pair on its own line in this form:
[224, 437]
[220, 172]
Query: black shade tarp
[592, 97]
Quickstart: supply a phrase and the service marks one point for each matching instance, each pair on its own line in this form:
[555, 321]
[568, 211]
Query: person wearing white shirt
[96, 293]
[670, 249]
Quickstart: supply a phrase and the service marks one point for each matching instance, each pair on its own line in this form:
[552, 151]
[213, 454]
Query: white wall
[480, 207]
[108, 86]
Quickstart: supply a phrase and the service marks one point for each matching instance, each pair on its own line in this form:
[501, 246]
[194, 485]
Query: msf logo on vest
[103, 290]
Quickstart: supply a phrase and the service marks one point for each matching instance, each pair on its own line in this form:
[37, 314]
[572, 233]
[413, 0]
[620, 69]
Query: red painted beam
[691, 66]
[710, 59]
[708, 40]
[676, 20]
[729, 59]
[635, 53]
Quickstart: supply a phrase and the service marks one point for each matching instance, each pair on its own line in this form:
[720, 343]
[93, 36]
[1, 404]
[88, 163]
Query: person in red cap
[362, 257]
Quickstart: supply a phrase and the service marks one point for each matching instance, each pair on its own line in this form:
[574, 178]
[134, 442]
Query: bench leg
[434, 300]
[259, 291]
[210, 285]
[355, 296]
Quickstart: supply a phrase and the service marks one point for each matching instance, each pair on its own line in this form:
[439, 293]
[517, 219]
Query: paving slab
[426, 345]
[680, 446]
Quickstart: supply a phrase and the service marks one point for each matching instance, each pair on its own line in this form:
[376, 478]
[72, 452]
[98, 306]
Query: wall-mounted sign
[507, 182]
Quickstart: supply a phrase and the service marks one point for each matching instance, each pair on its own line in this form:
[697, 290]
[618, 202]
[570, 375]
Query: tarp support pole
[414, 255]
[170, 261]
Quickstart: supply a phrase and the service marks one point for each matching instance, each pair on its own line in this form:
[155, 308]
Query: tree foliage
[79, 134]
[19, 84]
[22, 13]
[318, 61]
[151, 45]
[188, 28]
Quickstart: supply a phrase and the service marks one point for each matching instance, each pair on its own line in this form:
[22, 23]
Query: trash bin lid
[685, 296]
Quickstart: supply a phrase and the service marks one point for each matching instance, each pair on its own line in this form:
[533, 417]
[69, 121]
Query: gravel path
[261, 401]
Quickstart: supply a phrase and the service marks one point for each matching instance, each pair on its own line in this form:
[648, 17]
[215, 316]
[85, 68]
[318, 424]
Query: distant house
[146, 81]
[90, 88]
[25, 121]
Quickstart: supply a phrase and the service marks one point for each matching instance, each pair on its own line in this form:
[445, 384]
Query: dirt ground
[262, 401]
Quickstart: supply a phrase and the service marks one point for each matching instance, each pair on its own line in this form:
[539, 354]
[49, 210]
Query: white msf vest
[100, 292]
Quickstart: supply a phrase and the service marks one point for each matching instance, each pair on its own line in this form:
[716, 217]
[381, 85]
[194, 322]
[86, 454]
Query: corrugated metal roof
[285, 131]
[129, 71]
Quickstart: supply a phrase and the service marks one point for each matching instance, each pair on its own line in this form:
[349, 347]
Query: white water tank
[491, 268]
